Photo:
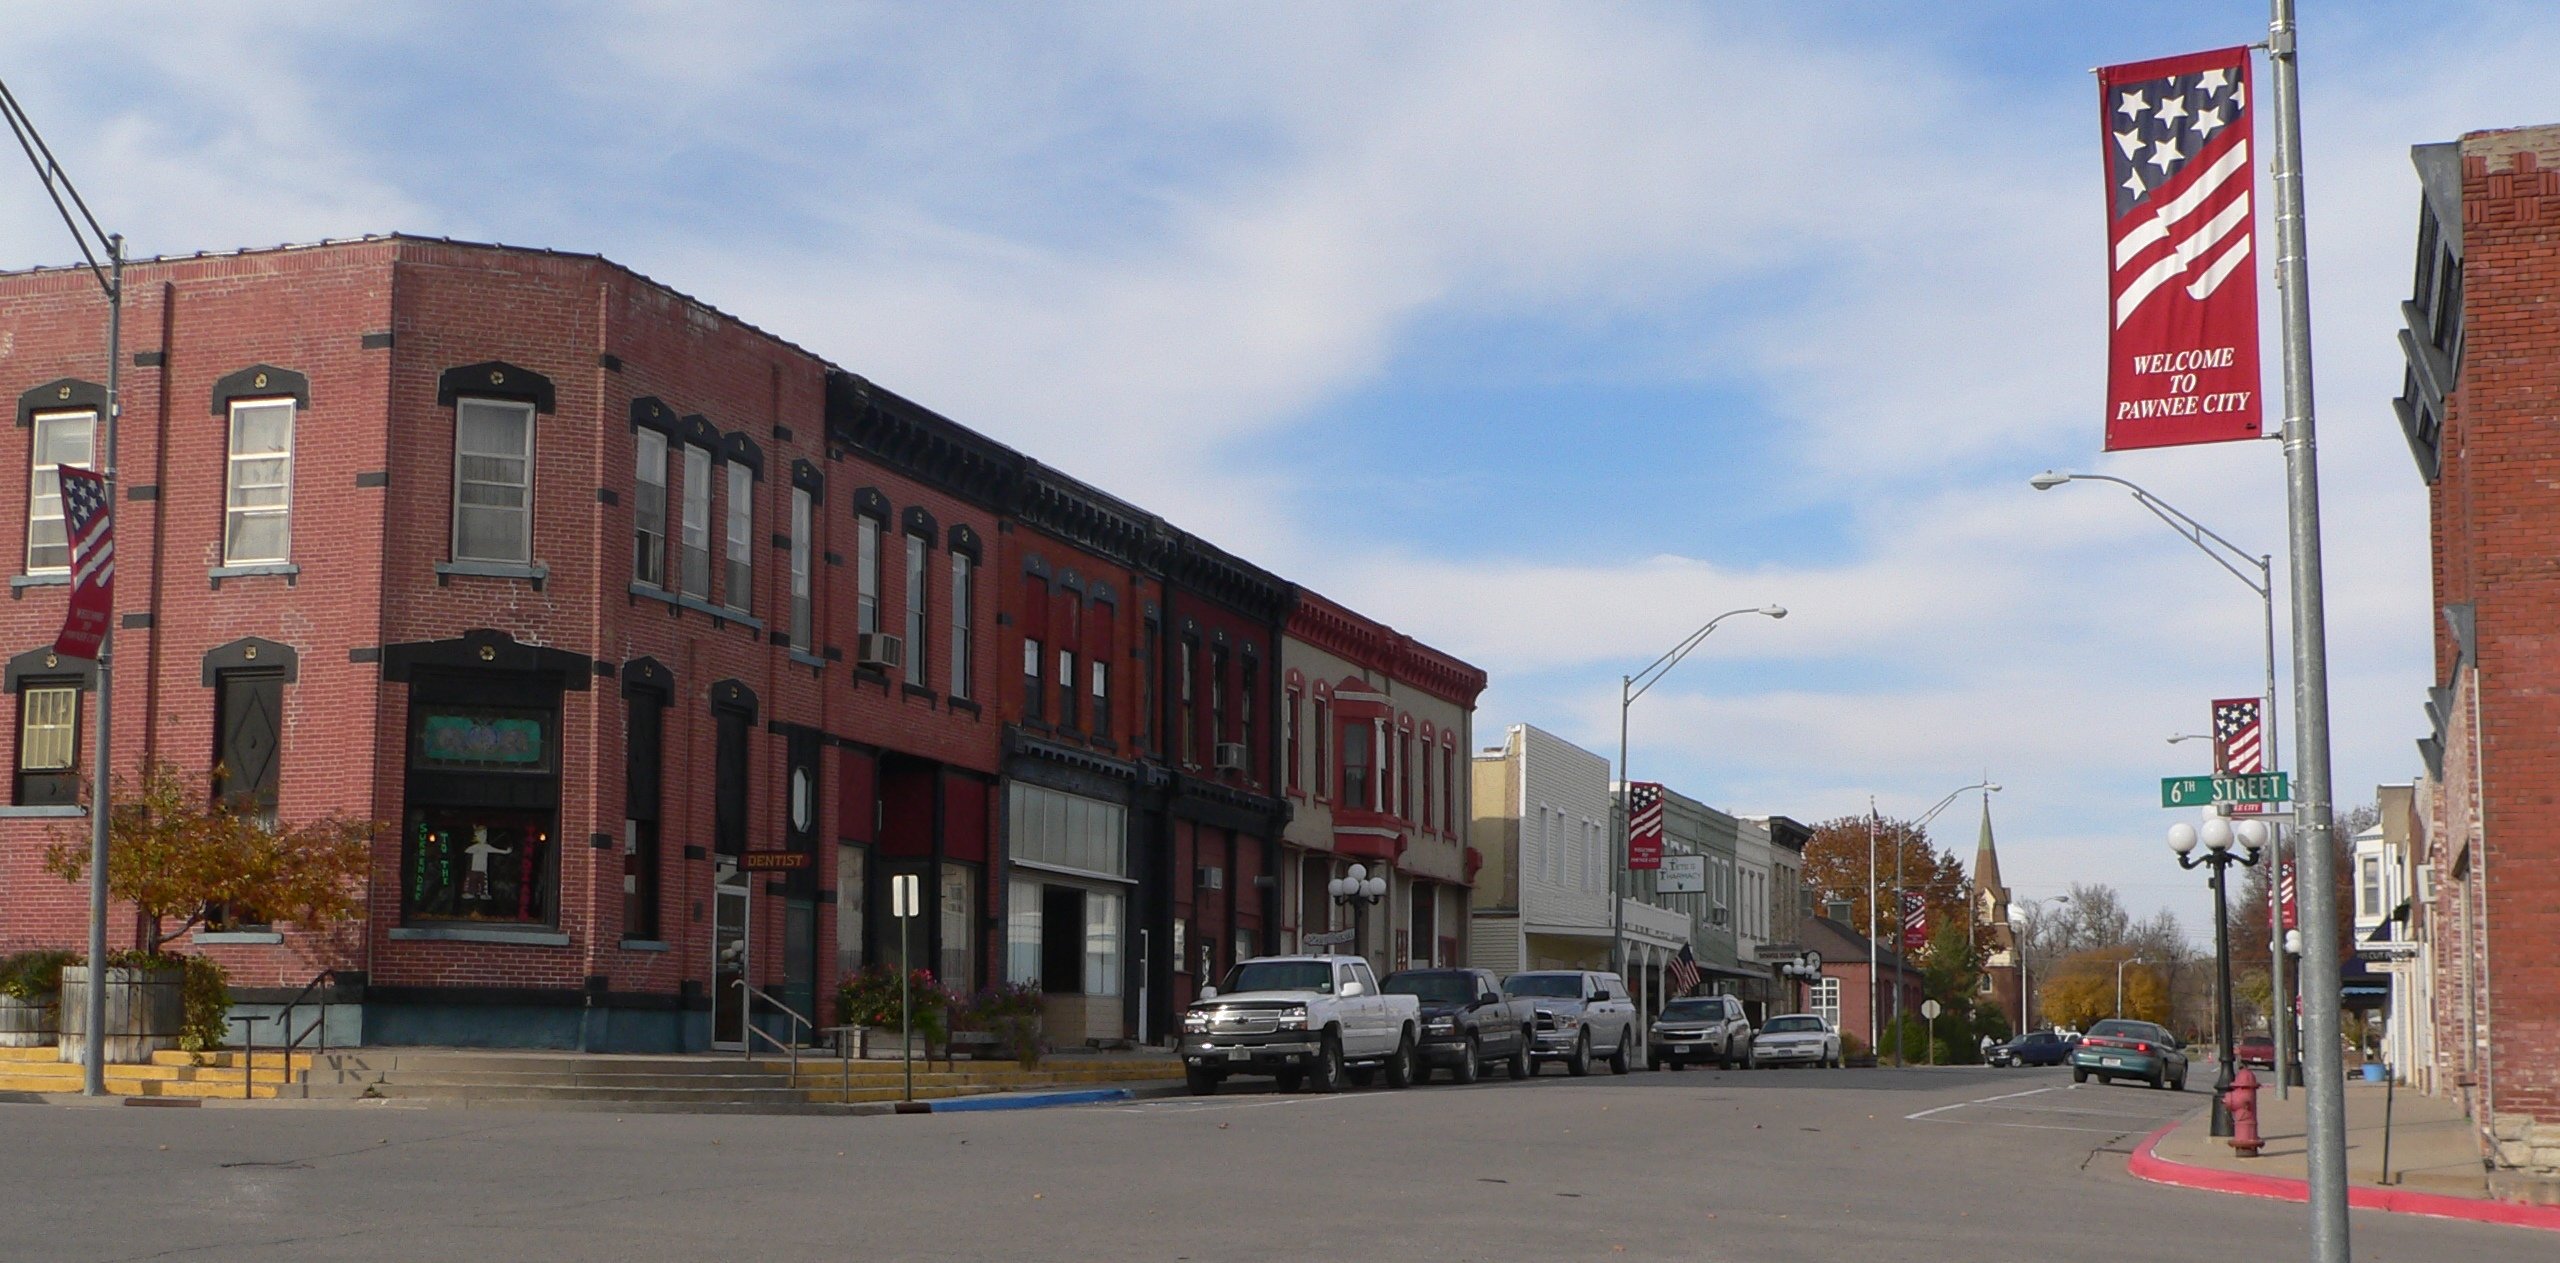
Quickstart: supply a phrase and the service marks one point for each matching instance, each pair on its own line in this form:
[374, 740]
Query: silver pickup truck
[1305, 1021]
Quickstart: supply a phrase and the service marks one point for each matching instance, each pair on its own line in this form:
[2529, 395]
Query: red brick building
[659, 644]
[2483, 349]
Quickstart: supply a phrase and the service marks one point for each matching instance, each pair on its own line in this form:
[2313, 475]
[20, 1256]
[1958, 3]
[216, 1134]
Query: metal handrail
[747, 1024]
[283, 1018]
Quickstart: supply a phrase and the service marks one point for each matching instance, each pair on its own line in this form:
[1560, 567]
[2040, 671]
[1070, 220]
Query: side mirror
[1350, 989]
[1600, 995]
[1208, 993]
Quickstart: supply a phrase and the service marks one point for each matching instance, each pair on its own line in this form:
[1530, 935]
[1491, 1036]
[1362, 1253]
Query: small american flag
[93, 563]
[1683, 972]
[1644, 825]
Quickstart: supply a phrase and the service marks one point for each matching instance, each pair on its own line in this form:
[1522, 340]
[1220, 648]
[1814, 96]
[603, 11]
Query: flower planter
[882, 1041]
[146, 1007]
[28, 1023]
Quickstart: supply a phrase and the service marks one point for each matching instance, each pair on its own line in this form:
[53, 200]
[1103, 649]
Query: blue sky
[1542, 331]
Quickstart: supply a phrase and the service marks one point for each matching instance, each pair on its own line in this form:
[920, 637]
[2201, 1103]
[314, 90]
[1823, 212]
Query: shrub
[1011, 1012]
[33, 975]
[208, 995]
[870, 998]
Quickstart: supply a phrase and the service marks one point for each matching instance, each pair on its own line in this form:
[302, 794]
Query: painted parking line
[1999, 1103]
[2005, 1096]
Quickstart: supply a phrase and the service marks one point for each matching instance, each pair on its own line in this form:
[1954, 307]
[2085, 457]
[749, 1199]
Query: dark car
[1467, 1025]
[2255, 1050]
[2120, 1048]
[2035, 1048]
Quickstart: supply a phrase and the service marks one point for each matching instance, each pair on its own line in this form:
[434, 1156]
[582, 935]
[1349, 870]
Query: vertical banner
[91, 527]
[2182, 341]
[2238, 745]
[1644, 825]
[1915, 921]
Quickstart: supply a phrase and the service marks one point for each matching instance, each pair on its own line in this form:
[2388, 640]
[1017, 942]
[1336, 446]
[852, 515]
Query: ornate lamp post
[1357, 890]
[2218, 835]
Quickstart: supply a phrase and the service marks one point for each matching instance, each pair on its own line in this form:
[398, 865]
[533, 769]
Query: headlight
[1293, 1019]
[1195, 1022]
[1443, 1025]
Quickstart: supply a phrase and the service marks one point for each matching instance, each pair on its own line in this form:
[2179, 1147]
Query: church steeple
[1990, 895]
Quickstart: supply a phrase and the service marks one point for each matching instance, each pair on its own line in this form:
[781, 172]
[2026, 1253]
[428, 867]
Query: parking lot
[1700, 1164]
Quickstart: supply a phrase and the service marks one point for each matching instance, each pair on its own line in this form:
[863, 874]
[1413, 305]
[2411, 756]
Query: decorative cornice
[1337, 630]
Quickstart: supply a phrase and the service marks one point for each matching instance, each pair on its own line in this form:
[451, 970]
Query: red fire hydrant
[2241, 1102]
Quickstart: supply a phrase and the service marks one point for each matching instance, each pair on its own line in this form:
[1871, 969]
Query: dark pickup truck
[1468, 1027]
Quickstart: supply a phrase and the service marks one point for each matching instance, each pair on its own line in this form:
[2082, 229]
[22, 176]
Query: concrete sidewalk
[2434, 1160]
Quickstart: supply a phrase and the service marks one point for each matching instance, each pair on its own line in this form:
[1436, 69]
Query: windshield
[1432, 988]
[2127, 1030]
[1693, 1011]
[1280, 975]
[1783, 1025]
[1555, 986]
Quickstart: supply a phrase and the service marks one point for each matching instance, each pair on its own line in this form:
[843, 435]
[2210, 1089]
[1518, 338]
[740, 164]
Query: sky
[1543, 332]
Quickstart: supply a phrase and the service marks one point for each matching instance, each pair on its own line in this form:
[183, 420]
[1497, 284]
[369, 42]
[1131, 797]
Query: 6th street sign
[2198, 791]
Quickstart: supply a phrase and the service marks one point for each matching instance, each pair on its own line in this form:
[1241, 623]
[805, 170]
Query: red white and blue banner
[2182, 342]
[2239, 746]
[1644, 825]
[1915, 921]
[93, 563]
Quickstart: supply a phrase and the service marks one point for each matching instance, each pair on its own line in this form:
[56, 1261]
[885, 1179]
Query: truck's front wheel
[1580, 1063]
[1470, 1062]
[1326, 1074]
[1202, 1082]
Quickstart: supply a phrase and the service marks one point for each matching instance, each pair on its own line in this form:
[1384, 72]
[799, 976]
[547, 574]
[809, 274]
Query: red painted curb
[2147, 1165]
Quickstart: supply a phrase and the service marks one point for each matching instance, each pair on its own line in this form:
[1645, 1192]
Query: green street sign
[2199, 791]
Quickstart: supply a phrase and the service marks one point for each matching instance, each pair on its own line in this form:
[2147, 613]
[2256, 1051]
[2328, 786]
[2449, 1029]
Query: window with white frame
[963, 612]
[803, 632]
[48, 744]
[919, 616]
[649, 510]
[258, 498]
[2369, 887]
[693, 563]
[866, 574]
[61, 438]
[493, 481]
[737, 538]
[1826, 1001]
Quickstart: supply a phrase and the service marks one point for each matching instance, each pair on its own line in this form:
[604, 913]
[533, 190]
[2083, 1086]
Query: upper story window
[48, 744]
[919, 615]
[1244, 709]
[649, 510]
[1067, 685]
[493, 480]
[257, 501]
[61, 438]
[1217, 693]
[1430, 820]
[1289, 750]
[803, 526]
[1189, 737]
[866, 574]
[1404, 776]
[964, 598]
[1324, 764]
[1356, 785]
[2369, 887]
[738, 585]
[1449, 789]
[693, 558]
[1101, 648]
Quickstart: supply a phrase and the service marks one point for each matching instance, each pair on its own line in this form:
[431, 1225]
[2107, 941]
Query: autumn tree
[177, 854]
[2082, 989]
[1836, 867]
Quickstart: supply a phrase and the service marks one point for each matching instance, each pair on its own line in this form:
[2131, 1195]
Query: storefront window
[480, 834]
[480, 864]
[850, 868]
[959, 962]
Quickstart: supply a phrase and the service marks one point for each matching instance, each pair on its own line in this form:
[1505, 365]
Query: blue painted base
[524, 1026]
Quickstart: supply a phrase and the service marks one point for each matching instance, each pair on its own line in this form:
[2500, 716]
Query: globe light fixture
[2217, 835]
[2182, 838]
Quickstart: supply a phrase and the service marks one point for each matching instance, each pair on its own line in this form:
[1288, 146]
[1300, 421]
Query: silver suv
[1700, 1028]
[1581, 1014]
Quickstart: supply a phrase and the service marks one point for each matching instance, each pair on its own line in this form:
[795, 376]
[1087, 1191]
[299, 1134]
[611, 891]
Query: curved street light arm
[1660, 667]
[2205, 538]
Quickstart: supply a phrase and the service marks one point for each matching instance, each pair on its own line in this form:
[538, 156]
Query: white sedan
[1797, 1039]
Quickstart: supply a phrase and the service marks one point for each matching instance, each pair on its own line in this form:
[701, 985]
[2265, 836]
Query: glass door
[730, 953]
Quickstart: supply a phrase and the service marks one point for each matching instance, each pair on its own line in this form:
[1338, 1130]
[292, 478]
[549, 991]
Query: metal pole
[906, 1006]
[2325, 1114]
[1875, 1014]
[2280, 994]
[1899, 947]
[93, 1057]
[2222, 963]
[1618, 871]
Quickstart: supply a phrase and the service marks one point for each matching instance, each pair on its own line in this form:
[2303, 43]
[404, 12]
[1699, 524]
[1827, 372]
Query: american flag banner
[1915, 921]
[2290, 918]
[91, 525]
[1644, 825]
[2238, 745]
[2182, 346]
[1683, 972]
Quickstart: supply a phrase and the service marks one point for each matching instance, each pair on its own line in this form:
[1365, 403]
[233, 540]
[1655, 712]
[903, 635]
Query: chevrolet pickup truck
[1303, 1021]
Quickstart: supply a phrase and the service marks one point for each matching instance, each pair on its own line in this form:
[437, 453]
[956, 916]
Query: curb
[2145, 1164]
[1030, 1101]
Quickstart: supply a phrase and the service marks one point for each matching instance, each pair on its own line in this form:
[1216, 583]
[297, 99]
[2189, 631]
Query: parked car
[1701, 1028]
[1468, 1026]
[2035, 1048]
[1577, 1014]
[2255, 1050]
[2120, 1048]
[1796, 1039]
[1308, 1021]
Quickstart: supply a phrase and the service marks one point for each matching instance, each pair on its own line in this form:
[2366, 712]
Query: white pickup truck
[1305, 1021]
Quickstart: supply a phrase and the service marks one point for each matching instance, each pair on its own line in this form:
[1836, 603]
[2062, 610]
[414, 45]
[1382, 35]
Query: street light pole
[2218, 835]
[1874, 1008]
[2120, 979]
[2230, 557]
[1631, 687]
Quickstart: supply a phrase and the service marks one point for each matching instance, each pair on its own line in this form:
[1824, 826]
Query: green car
[2122, 1049]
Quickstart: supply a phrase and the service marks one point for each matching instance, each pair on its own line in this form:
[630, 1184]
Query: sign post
[1930, 1009]
[904, 892]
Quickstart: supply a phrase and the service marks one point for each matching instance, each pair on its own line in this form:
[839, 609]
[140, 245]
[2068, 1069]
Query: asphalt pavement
[1702, 1165]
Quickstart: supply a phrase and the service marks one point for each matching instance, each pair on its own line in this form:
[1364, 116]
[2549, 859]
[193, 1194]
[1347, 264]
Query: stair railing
[288, 1039]
[747, 1023]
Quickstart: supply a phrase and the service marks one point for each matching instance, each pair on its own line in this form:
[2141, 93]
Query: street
[1764, 1165]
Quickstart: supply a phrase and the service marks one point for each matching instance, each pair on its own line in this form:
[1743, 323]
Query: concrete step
[469, 1092]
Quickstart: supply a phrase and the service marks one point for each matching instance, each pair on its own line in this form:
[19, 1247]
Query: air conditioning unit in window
[885, 653]
[1212, 878]
[1230, 756]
